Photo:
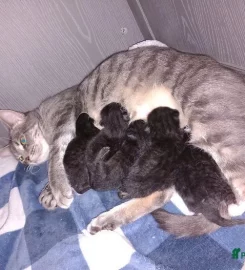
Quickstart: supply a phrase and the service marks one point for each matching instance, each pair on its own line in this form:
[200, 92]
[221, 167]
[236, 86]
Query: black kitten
[115, 169]
[169, 161]
[101, 159]
[156, 159]
[115, 120]
[74, 159]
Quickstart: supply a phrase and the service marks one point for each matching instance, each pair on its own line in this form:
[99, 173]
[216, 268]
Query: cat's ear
[5, 151]
[11, 118]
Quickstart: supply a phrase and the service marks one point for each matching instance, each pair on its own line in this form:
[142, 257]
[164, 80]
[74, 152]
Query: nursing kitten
[74, 159]
[115, 169]
[209, 97]
[115, 120]
[193, 173]
[169, 162]
[101, 159]
[157, 159]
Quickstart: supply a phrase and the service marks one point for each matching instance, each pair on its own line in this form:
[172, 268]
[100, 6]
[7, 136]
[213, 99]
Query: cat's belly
[141, 102]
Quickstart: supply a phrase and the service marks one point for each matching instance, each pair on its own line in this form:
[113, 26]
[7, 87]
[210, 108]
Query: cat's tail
[189, 226]
[213, 215]
[183, 226]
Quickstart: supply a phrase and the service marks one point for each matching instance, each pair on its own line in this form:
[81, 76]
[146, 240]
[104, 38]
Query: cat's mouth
[38, 154]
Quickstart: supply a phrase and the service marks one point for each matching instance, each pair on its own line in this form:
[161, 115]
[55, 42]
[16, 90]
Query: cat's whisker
[34, 169]
[5, 139]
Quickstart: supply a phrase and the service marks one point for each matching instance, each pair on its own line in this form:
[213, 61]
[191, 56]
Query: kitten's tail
[189, 226]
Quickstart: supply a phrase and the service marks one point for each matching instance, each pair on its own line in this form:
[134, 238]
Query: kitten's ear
[11, 118]
[176, 114]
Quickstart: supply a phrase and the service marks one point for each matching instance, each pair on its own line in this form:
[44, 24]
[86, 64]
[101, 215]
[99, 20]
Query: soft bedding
[32, 237]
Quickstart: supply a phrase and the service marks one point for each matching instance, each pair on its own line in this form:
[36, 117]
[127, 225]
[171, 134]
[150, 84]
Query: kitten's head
[137, 131]
[27, 142]
[164, 121]
[114, 117]
[85, 125]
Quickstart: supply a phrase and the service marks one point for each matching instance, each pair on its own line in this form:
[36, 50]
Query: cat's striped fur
[210, 99]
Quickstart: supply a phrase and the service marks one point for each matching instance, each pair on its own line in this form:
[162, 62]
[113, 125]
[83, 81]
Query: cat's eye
[21, 159]
[23, 140]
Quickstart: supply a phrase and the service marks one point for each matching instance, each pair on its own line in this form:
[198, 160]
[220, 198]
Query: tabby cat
[209, 97]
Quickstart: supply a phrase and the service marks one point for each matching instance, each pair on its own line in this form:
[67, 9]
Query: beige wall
[212, 27]
[49, 45]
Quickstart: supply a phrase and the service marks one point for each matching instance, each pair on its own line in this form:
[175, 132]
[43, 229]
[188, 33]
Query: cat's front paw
[53, 197]
[105, 221]
[47, 199]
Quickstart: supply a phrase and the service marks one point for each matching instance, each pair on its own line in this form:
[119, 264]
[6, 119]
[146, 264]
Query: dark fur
[101, 159]
[169, 161]
[149, 173]
[115, 169]
[74, 159]
[114, 119]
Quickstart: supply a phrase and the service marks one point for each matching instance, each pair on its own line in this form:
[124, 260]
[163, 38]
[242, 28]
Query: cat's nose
[27, 160]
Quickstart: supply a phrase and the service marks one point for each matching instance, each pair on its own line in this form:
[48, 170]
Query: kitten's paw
[123, 195]
[187, 129]
[51, 198]
[103, 153]
[105, 221]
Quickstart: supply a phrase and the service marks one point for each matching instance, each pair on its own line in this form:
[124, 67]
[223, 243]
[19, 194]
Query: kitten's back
[74, 158]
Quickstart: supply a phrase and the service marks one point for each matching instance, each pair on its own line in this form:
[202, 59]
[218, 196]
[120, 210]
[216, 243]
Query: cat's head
[164, 120]
[114, 117]
[27, 142]
[85, 126]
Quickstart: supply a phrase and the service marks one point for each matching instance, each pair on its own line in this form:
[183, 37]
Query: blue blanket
[34, 238]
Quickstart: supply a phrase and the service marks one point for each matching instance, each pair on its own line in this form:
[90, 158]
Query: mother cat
[210, 98]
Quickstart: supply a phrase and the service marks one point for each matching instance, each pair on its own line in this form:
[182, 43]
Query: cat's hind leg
[129, 211]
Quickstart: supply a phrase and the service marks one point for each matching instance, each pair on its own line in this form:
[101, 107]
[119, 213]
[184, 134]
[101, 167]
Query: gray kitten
[209, 97]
